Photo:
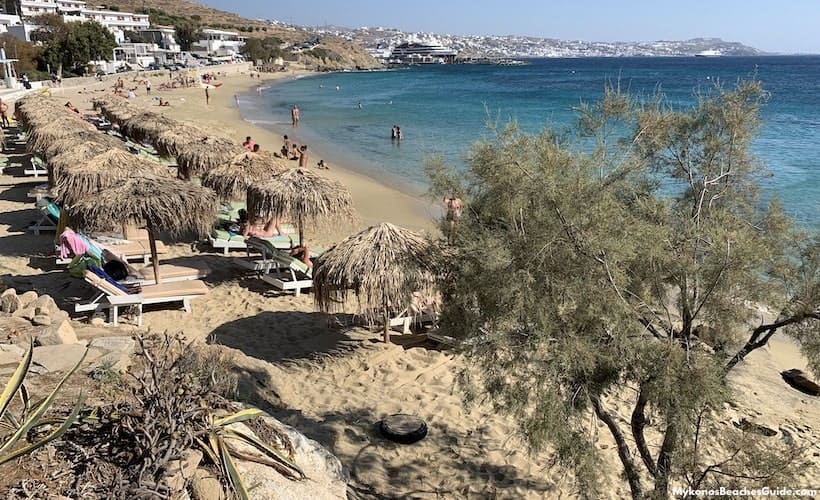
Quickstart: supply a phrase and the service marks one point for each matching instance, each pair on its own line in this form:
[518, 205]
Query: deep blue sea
[443, 109]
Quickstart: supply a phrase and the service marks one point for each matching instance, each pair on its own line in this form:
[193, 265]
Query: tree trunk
[664, 465]
[756, 342]
[630, 470]
[638, 423]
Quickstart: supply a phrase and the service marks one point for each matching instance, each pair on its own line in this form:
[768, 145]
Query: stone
[119, 344]
[180, 471]
[27, 298]
[328, 479]
[11, 354]
[41, 319]
[45, 304]
[9, 303]
[8, 291]
[58, 333]
[205, 485]
[97, 322]
[59, 315]
[59, 358]
[24, 312]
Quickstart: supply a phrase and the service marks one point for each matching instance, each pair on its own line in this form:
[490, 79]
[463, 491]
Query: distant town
[142, 45]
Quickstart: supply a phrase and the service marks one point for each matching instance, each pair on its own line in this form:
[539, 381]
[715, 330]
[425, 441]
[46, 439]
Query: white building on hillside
[7, 20]
[75, 10]
[219, 43]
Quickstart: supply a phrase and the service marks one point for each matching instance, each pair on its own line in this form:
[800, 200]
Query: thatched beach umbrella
[102, 172]
[232, 180]
[200, 156]
[172, 141]
[382, 265]
[41, 136]
[302, 196]
[78, 138]
[145, 127]
[163, 204]
[78, 154]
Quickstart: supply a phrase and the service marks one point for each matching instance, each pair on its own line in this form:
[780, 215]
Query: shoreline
[375, 200]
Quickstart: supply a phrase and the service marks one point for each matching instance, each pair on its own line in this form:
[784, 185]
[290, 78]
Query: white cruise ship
[708, 53]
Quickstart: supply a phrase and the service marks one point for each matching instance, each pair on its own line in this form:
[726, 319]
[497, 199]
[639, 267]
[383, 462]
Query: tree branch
[631, 471]
[638, 423]
[767, 331]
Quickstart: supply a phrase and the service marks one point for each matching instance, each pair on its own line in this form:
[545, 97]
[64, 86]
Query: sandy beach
[335, 382]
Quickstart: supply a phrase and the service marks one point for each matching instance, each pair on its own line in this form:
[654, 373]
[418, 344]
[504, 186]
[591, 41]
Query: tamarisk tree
[627, 260]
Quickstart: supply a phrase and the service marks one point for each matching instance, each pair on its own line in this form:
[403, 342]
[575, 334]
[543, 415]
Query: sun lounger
[50, 216]
[168, 273]
[40, 191]
[111, 297]
[37, 167]
[266, 249]
[126, 250]
[226, 241]
[288, 273]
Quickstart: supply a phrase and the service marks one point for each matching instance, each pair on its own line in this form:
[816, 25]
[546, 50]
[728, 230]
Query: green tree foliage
[620, 265]
[187, 34]
[27, 54]
[262, 49]
[72, 45]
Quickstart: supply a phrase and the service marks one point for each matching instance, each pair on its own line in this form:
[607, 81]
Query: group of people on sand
[250, 145]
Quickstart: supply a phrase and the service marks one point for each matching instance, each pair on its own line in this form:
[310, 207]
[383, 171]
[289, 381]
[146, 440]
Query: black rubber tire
[402, 428]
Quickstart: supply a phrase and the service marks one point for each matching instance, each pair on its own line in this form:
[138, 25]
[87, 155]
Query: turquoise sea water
[442, 110]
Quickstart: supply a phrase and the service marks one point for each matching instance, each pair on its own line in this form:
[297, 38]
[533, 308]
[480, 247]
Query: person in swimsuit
[454, 209]
[303, 156]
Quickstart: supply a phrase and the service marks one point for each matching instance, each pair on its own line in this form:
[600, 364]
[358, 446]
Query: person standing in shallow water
[294, 115]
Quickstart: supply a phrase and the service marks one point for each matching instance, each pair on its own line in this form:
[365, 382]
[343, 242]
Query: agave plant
[219, 450]
[19, 426]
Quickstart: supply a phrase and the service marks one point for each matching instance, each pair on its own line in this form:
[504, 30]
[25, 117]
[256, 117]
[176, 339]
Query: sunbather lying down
[261, 228]
[302, 253]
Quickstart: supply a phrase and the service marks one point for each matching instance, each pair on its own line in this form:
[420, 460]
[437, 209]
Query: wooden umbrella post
[153, 243]
[386, 323]
[301, 232]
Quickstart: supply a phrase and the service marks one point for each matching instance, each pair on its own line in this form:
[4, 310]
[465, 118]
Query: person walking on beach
[294, 115]
[207, 96]
[454, 209]
[4, 109]
[148, 87]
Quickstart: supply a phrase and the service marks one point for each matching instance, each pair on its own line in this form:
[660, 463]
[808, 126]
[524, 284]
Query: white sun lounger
[265, 247]
[288, 273]
[37, 167]
[112, 298]
[168, 273]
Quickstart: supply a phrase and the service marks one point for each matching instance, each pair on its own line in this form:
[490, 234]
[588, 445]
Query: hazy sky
[771, 25]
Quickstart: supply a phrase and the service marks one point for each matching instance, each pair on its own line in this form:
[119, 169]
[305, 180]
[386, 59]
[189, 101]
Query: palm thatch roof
[232, 180]
[164, 204]
[115, 109]
[205, 154]
[79, 138]
[32, 106]
[41, 135]
[302, 196]
[146, 126]
[102, 172]
[382, 265]
[170, 142]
